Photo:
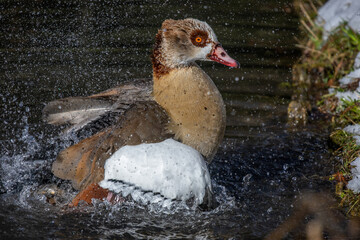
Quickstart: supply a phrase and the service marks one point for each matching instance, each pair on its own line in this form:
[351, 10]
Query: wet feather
[78, 112]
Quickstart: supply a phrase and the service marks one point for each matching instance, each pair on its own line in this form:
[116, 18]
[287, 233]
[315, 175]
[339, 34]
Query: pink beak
[219, 55]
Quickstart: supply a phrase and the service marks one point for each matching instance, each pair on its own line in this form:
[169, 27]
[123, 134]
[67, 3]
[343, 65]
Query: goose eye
[199, 38]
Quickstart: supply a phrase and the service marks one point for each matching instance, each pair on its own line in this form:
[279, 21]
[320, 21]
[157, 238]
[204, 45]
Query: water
[54, 49]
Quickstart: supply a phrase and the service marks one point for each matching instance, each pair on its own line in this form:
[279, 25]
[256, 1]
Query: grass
[347, 152]
[327, 62]
[322, 65]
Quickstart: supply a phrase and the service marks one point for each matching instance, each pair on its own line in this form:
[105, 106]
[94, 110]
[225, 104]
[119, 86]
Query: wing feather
[80, 111]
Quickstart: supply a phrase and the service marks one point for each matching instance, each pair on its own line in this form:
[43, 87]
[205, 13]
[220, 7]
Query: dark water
[54, 49]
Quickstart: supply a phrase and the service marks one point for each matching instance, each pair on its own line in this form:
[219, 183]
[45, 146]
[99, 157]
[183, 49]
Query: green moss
[348, 113]
[340, 137]
[348, 151]
[352, 201]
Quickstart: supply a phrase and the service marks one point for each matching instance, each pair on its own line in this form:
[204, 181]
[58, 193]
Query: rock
[297, 113]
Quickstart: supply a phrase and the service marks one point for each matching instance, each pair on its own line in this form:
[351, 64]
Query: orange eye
[198, 39]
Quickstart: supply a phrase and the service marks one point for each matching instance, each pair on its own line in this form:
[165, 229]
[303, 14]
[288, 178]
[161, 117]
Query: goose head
[179, 43]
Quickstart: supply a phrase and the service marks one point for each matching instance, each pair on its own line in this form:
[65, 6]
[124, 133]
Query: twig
[310, 49]
[352, 206]
[306, 14]
[313, 7]
[310, 31]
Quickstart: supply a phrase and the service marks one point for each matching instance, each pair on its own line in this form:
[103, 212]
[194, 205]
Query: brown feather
[159, 69]
[195, 107]
[80, 111]
[93, 191]
[83, 163]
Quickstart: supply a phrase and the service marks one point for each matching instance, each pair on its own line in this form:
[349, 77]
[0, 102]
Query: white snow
[354, 184]
[357, 62]
[349, 95]
[357, 139]
[354, 22]
[335, 12]
[355, 130]
[354, 74]
[345, 81]
[350, 78]
[173, 169]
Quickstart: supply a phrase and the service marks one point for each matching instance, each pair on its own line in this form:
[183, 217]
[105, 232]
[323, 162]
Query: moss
[347, 152]
[340, 137]
[352, 201]
[348, 113]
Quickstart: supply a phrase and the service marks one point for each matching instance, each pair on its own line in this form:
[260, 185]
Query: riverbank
[326, 78]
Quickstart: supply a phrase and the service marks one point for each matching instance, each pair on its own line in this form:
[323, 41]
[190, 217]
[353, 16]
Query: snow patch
[350, 78]
[357, 139]
[353, 129]
[357, 62]
[345, 81]
[335, 12]
[354, 74]
[354, 184]
[348, 95]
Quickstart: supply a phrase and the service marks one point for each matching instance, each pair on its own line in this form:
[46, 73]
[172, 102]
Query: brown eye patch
[199, 38]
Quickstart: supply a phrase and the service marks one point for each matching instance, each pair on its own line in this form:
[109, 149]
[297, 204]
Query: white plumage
[170, 168]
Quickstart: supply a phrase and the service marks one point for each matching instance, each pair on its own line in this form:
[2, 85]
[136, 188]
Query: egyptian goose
[179, 118]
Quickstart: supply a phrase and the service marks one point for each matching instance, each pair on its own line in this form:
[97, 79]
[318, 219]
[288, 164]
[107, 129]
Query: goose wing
[77, 112]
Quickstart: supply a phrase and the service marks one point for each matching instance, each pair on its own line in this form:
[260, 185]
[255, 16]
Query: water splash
[155, 203]
[25, 159]
[15, 169]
